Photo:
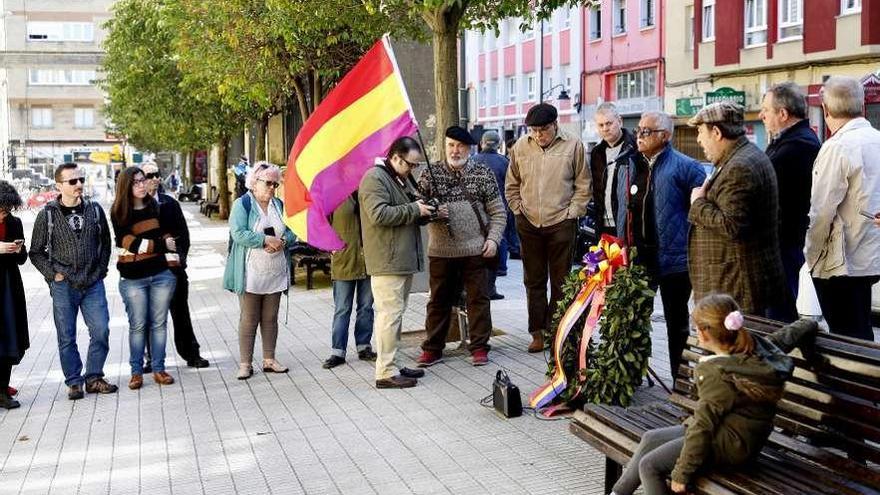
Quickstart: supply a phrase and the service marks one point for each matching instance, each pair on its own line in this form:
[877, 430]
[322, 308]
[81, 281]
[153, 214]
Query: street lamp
[563, 94]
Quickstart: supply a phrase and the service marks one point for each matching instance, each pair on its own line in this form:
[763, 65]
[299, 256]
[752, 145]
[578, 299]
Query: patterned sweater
[467, 238]
[141, 245]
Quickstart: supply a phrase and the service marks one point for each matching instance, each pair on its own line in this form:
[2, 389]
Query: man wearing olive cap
[548, 188]
[733, 245]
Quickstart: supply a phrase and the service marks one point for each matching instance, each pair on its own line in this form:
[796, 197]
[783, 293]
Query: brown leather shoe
[396, 381]
[136, 382]
[537, 344]
[163, 378]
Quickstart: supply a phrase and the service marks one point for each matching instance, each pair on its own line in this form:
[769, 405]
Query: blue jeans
[146, 302]
[343, 296]
[67, 302]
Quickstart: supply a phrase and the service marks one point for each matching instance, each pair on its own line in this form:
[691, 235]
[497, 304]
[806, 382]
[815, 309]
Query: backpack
[246, 203]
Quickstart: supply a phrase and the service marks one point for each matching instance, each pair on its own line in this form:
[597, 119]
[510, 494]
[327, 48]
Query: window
[756, 22]
[41, 117]
[689, 28]
[84, 118]
[511, 90]
[595, 23]
[61, 31]
[618, 10]
[647, 14]
[565, 14]
[60, 77]
[791, 19]
[531, 84]
[484, 96]
[708, 20]
[636, 84]
[850, 6]
[496, 92]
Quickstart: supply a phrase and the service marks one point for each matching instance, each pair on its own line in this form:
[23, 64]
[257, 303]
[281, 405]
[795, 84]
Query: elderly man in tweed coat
[733, 245]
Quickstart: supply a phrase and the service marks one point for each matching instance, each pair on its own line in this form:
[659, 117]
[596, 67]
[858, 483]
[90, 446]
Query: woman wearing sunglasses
[146, 251]
[258, 268]
[13, 320]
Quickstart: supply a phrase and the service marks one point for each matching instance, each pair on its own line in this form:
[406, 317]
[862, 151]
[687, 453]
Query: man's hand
[698, 192]
[490, 249]
[272, 244]
[443, 211]
[678, 487]
[425, 210]
[59, 277]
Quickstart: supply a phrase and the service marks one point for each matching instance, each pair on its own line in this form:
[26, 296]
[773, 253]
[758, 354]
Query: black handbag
[505, 396]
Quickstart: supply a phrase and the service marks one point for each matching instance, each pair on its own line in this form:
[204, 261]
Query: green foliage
[146, 100]
[619, 362]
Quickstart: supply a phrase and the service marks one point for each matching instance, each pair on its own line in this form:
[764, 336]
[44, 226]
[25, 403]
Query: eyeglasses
[72, 182]
[541, 130]
[153, 175]
[270, 183]
[646, 132]
[411, 164]
[138, 182]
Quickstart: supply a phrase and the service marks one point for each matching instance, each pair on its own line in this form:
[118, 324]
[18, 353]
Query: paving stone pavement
[309, 431]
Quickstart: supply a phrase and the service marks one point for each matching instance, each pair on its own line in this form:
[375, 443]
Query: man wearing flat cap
[548, 188]
[461, 246]
[733, 245]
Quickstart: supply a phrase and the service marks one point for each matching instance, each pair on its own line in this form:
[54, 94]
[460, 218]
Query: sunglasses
[72, 182]
[270, 183]
[152, 175]
[646, 132]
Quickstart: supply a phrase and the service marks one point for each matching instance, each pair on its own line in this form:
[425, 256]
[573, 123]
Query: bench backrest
[834, 405]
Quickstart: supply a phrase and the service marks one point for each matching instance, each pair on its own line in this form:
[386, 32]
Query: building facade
[736, 49]
[51, 61]
[623, 52]
[508, 73]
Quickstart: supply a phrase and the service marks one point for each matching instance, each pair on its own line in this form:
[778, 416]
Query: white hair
[843, 97]
[258, 171]
[149, 164]
[663, 120]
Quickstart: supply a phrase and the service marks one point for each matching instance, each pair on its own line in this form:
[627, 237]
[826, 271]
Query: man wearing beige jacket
[842, 245]
[548, 188]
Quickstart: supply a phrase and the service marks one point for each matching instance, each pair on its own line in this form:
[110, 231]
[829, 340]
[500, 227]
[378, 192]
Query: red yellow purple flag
[355, 124]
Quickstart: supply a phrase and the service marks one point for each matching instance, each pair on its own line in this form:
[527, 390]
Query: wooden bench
[827, 428]
[303, 255]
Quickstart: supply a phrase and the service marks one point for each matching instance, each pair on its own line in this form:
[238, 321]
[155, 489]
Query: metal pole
[541, 63]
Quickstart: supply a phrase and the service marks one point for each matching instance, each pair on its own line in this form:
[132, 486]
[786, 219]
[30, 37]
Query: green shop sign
[688, 106]
[726, 94]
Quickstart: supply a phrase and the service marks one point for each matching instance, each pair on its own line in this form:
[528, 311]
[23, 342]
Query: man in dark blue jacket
[498, 164]
[792, 150]
[653, 199]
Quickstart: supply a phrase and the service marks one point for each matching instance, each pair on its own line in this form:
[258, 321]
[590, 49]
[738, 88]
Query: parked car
[195, 194]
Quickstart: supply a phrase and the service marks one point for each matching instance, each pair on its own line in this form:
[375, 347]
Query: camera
[435, 215]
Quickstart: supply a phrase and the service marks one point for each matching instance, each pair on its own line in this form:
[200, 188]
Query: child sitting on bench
[738, 386]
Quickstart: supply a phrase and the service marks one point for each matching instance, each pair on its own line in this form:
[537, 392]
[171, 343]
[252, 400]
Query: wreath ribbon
[600, 263]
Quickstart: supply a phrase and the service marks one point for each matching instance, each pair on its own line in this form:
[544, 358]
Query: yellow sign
[100, 156]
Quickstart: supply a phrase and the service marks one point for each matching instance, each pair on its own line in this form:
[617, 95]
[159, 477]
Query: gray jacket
[82, 258]
[389, 216]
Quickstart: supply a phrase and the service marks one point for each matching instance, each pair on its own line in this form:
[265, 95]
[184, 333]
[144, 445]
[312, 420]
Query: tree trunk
[260, 149]
[191, 168]
[444, 24]
[222, 180]
[301, 99]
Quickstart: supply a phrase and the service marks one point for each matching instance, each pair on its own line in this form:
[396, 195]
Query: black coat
[171, 220]
[598, 167]
[14, 338]
[792, 155]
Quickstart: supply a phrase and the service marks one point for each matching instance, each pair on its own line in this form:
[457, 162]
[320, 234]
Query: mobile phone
[270, 231]
[866, 214]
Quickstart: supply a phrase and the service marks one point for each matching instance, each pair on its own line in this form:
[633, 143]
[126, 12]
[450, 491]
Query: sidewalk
[310, 431]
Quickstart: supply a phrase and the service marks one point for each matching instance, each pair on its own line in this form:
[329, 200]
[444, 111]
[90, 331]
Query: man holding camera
[462, 246]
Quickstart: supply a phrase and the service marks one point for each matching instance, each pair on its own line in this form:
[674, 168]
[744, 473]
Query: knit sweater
[449, 187]
[82, 257]
[142, 245]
